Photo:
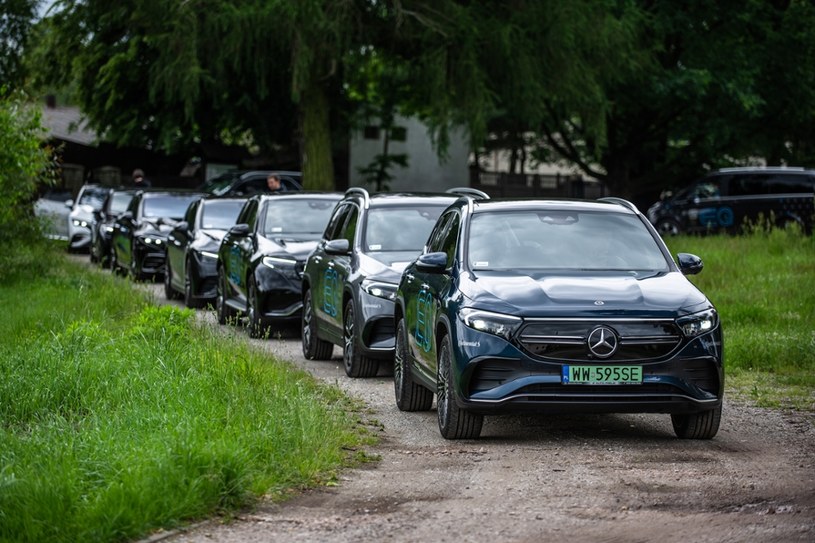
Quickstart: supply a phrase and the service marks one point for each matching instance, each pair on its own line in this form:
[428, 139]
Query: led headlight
[81, 223]
[109, 229]
[207, 254]
[278, 262]
[380, 290]
[492, 323]
[147, 240]
[698, 323]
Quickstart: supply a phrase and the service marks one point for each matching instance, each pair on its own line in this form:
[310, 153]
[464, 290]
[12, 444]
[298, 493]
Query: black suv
[261, 258]
[725, 199]
[350, 279]
[249, 183]
[555, 306]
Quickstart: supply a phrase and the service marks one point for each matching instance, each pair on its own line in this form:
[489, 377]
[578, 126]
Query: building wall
[425, 171]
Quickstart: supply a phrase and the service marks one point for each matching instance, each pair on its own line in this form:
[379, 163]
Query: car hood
[547, 294]
[299, 249]
[208, 239]
[156, 227]
[387, 266]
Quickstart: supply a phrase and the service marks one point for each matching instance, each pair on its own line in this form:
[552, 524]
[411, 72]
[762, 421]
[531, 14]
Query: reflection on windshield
[119, 202]
[563, 240]
[288, 216]
[220, 215]
[171, 207]
[93, 197]
[400, 228]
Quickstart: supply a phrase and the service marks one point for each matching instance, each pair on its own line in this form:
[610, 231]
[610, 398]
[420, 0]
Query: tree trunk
[318, 165]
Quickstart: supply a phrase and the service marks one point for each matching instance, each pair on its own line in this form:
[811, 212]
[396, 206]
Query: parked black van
[725, 199]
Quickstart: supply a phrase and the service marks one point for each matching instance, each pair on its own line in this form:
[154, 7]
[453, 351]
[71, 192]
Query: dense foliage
[24, 162]
[639, 93]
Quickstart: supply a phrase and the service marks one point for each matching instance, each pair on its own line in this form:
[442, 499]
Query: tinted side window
[787, 184]
[436, 239]
[450, 239]
[249, 213]
[332, 231]
[351, 225]
[747, 185]
[189, 216]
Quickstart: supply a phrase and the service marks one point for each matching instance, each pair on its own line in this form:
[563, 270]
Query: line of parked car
[488, 306]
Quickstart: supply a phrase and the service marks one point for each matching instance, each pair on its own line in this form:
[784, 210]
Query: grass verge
[118, 418]
[763, 285]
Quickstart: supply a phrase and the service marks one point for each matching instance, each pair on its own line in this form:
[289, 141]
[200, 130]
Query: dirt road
[602, 478]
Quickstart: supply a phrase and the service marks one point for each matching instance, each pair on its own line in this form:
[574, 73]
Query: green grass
[763, 285]
[118, 418]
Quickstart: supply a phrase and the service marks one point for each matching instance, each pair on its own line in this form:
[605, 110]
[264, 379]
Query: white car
[53, 209]
[82, 218]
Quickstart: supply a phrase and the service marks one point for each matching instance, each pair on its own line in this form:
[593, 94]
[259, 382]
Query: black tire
[115, 268]
[702, 425]
[258, 327]
[189, 298]
[135, 274]
[314, 348]
[454, 422]
[356, 365]
[668, 227]
[223, 312]
[410, 396]
[169, 292]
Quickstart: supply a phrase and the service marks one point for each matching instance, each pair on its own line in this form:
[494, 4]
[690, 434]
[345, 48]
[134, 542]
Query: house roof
[66, 123]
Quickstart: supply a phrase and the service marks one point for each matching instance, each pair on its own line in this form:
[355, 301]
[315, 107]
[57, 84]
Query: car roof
[793, 170]
[300, 195]
[516, 204]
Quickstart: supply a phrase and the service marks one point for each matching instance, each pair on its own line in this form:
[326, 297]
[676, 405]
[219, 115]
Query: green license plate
[602, 375]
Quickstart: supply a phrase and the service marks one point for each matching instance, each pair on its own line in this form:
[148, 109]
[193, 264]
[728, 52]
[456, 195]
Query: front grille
[566, 340]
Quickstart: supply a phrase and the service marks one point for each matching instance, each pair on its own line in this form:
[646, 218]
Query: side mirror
[689, 264]
[337, 247]
[183, 225]
[126, 216]
[239, 229]
[69, 203]
[432, 262]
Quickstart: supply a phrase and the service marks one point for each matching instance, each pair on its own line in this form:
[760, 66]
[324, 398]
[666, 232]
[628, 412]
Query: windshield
[286, 216]
[400, 228]
[171, 207]
[119, 202]
[93, 197]
[563, 240]
[220, 215]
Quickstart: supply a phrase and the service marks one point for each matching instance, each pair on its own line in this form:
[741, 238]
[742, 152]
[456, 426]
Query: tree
[726, 82]
[24, 163]
[16, 18]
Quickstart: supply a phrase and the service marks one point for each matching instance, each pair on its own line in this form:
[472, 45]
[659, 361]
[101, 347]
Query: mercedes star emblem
[602, 342]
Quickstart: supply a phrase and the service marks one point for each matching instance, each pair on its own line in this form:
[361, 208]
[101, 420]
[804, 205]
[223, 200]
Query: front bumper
[492, 375]
[279, 293]
[79, 237]
[203, 276]
[376, 322]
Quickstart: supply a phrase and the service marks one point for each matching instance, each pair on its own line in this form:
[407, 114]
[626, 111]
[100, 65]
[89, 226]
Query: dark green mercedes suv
[554, 306]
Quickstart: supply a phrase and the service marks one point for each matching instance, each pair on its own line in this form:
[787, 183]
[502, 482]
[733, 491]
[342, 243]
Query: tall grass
[763, 284]
[118, 418]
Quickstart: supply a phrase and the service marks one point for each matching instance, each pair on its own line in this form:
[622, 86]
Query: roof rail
[619, 201]
[366, 198]
[469, 191]
[755, 168]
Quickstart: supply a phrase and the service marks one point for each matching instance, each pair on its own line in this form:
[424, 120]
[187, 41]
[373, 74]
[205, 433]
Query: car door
[336, 270]
[238, 246]
[123, 232]
[426, 292]
[178, 242]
